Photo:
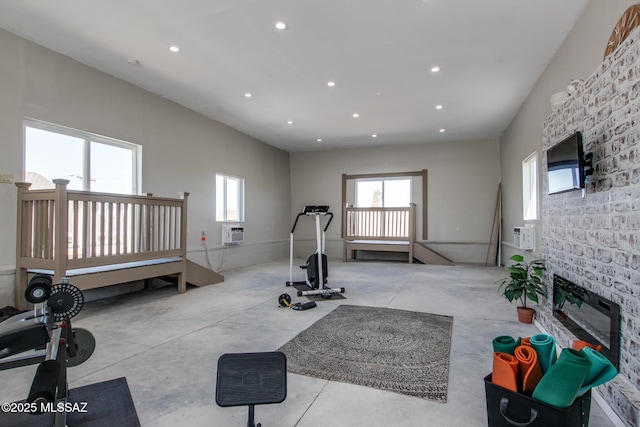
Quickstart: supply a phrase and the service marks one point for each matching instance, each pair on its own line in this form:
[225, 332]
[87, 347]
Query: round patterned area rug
[397, 350]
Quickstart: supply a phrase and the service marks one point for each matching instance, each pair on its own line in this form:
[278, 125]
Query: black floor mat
[105, 404]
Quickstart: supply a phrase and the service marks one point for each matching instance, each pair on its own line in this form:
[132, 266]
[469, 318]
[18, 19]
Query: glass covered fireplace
[588, 316]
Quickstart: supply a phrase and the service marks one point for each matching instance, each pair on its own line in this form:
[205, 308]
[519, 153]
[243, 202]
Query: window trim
[531, 187]
[383, 180]
[88, 137]
[241, 198]
[423, 174]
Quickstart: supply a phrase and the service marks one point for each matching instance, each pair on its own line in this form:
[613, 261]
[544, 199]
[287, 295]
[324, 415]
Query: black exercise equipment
[285, 301]
[251, 379]
[44, 335]
[316, 267]
[85, 345]
[39, 289]
[65, 301]
[299, 306]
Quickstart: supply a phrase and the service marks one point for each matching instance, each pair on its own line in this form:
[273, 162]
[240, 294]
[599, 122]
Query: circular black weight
[66, 301]
[85, 344]
[37, 292]
[39, 289]
[284, 300]
[42, 278]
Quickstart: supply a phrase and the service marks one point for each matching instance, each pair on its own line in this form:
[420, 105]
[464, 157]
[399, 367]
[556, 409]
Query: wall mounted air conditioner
[232, 234]
[523, 237]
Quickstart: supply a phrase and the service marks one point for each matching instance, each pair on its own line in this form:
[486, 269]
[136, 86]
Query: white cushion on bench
[110, 267]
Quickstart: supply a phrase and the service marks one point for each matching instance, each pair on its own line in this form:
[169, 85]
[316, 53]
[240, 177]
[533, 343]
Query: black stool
[251, 379]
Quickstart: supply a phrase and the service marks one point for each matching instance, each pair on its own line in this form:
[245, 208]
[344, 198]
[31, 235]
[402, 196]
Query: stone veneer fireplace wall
[594, 240]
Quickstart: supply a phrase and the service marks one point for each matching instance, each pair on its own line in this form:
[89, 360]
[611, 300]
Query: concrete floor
[167, 346]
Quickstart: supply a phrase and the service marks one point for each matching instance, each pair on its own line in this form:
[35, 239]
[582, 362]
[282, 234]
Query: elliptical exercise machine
[316, 266]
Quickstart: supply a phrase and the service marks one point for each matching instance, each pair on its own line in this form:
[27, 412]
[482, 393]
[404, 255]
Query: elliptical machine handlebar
[328, 222]
[313, 210]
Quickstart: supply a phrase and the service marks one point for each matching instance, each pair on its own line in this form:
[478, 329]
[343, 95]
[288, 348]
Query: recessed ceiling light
[290, 122]
[280, 25]
[174, 49]
[374, 136]
[331, 84]
[356, 115]
[319, 139]
[435, 69]
[248, 95]
[438, 107]
[441, 130]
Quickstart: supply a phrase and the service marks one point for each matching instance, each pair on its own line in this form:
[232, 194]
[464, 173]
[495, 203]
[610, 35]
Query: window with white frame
[383, 193]
[90, 162]
[530, 187]
[229, 198]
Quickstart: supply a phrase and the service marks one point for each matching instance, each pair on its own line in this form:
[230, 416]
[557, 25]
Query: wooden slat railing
[379, 223]
[62, 230]
[375, 229]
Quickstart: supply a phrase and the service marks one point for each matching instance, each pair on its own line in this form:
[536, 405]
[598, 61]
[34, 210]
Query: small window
[229, 198]
[383, 193]
[530, 187]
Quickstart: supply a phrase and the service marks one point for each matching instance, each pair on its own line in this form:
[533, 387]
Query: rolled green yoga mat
[545, 347]
[561, 384]
[602, 370]
[505, 344]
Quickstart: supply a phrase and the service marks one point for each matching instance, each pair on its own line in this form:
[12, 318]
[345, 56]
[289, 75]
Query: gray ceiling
[378, 52]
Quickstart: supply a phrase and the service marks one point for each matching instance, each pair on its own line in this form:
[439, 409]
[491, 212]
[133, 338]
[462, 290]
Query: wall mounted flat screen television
[565, 165]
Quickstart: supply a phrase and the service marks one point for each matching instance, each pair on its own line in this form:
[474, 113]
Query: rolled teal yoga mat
[561, 384]
[505, 344]
[545, 347]
[601, 371]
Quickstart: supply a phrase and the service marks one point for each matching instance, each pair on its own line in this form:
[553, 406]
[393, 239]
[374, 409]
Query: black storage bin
[506, 408]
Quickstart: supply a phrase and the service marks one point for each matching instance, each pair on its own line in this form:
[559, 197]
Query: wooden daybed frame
[379, 229]
[98, 239]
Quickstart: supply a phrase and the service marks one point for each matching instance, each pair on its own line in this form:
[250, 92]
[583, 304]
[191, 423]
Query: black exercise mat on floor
[108, 404]
[318, 297]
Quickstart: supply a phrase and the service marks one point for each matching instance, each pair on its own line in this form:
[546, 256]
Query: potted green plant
[524, 283]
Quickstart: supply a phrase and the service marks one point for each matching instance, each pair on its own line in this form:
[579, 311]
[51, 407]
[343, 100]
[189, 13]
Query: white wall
[181, 151]
[579, 55]
[463, 181]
